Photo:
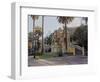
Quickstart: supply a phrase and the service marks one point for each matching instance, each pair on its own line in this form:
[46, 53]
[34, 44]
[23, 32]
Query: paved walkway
[65, 60]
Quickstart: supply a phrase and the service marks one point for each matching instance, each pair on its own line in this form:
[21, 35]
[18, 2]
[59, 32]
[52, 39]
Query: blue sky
[51, 23]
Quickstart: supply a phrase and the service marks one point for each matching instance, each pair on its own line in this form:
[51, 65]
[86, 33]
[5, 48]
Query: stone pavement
[65, 60]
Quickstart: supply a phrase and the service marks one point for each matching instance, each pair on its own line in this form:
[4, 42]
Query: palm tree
[34, 17]
[42, 34]
[38, 34]
[86, 19]
[65, 20]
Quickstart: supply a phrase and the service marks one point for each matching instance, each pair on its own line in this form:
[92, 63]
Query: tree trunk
[66, 35]
[42, 34]
[83, 53]
[33, 39]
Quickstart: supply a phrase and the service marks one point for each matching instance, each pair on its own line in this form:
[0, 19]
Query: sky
[51, 24]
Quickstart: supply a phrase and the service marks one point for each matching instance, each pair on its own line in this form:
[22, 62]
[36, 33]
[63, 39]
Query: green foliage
[80, 36]
[64, 19]
[48, 39]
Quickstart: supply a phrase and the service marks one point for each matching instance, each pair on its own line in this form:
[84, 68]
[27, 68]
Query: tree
[48, 39]
[42, 34]
[38, 33]
[34, 17]
[85, 19]
[80, 36]
[65, 20]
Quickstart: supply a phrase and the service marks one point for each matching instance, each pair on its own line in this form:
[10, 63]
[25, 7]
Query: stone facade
[58, 40]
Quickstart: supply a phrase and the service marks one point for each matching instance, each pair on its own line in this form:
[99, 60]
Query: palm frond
[34, 17]
[64, 19]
